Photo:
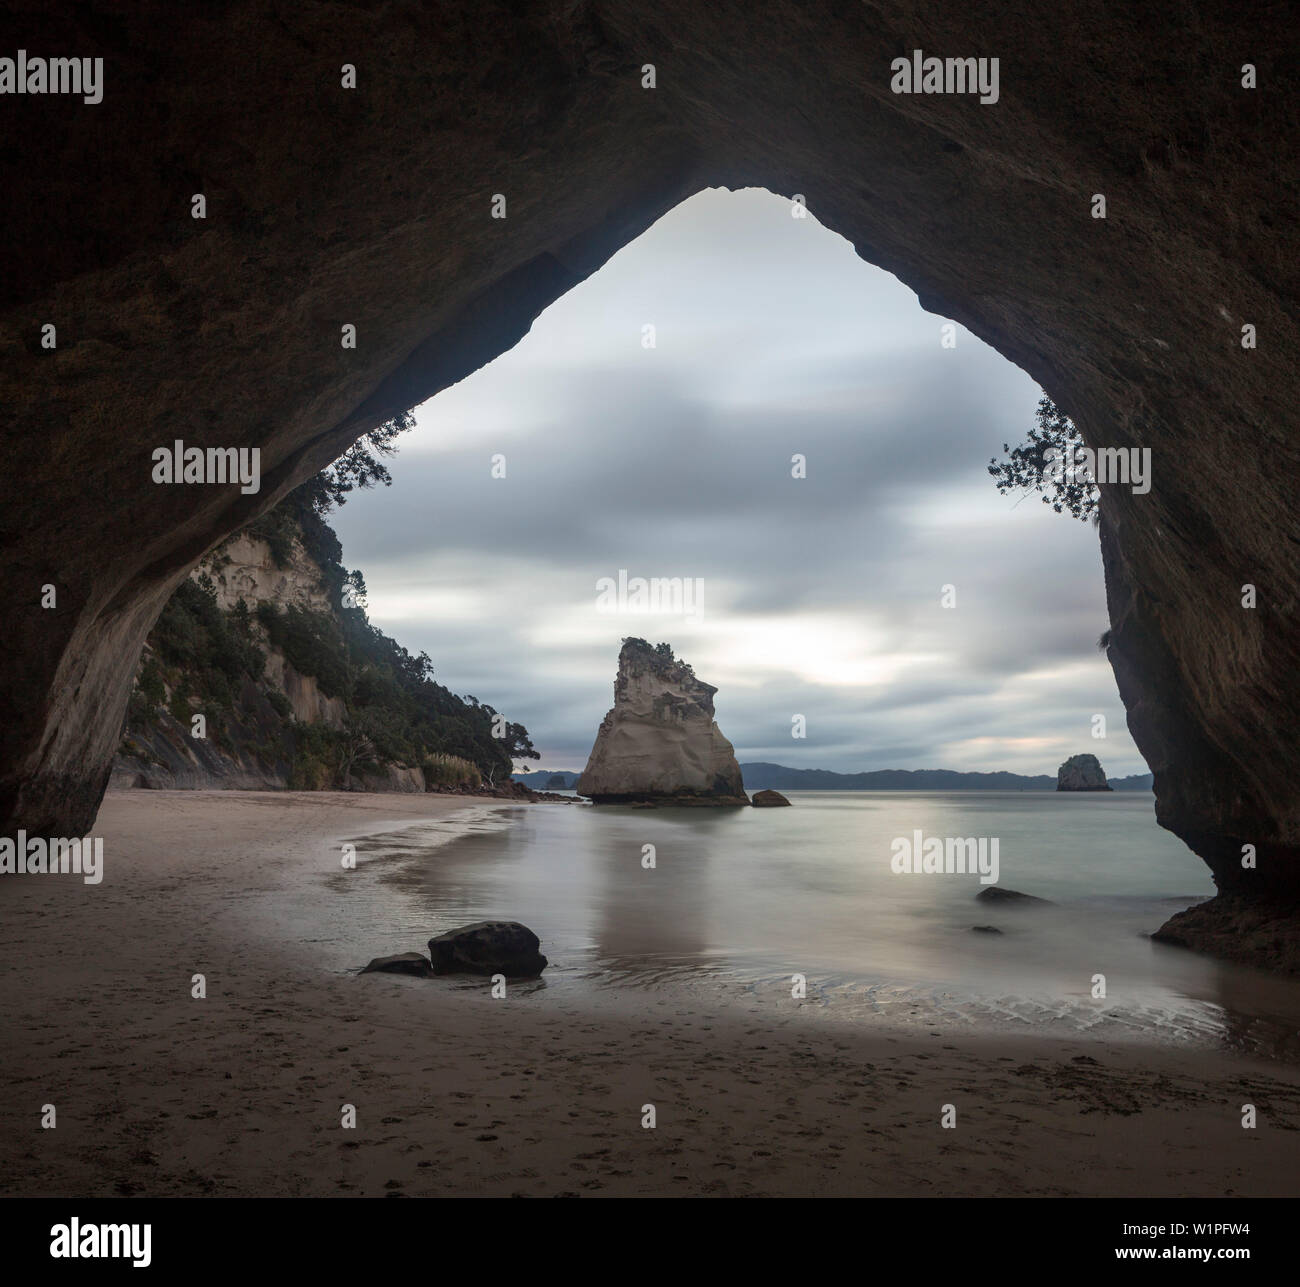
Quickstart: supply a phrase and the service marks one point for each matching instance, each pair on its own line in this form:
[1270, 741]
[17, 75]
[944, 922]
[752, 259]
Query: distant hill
[777, 777]
[1138, 782]
[548, 779]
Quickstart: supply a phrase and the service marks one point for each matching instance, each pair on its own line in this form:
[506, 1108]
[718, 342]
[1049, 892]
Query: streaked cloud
[821, 594]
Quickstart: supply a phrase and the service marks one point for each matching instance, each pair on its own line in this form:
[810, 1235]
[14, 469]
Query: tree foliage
[360, 466]
[1041, 464]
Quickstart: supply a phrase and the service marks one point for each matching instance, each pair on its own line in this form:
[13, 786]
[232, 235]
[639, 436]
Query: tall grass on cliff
[450, 773]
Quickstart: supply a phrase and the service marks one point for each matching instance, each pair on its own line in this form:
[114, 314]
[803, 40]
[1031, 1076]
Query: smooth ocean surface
[746, 899]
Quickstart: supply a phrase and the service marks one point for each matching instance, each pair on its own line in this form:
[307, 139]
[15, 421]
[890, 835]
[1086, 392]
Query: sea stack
[659, 743]
[1081, 773]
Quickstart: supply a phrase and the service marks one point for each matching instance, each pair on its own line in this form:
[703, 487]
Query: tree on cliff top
[1028, 468]
[358, 467]
[301, 514]
[660, 655]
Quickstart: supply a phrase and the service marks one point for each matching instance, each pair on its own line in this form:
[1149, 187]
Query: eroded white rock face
[310, 705]
[244, 568]
[659, 742]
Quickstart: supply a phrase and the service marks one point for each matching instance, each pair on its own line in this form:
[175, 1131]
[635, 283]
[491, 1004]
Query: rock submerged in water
[1010, 897]
[659, 743]
[1081, 773]
[403, 963]
[1234, 928]
[488, 947]
[769, 800]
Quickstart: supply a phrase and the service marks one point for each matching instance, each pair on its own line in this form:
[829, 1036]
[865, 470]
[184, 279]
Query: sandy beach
[457, 1093]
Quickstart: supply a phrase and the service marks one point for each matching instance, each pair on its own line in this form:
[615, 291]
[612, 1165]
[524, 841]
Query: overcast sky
[821, 595]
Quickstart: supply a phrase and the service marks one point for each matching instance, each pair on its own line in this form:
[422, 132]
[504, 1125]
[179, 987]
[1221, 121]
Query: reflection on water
[740, 900]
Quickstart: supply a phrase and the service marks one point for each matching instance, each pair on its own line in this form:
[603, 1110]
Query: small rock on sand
[402, 963]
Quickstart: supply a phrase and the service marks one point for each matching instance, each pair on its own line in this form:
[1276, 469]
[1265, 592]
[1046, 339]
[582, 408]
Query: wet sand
[539, 1094]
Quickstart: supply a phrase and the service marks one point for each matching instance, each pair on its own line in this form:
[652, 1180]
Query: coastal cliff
[659, 742]
[263, 673]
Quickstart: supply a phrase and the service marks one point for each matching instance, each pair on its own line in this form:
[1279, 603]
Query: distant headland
[762, 776]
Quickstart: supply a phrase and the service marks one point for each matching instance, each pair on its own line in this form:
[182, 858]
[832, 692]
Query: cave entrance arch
[790, 430]
[373, 207]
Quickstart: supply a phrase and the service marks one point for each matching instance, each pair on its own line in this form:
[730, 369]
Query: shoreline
[540, 1094]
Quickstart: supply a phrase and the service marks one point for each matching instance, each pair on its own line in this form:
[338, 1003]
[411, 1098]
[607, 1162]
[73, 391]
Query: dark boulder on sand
[488, 947]
[769, 800]
[985, 929]
[1010, 897]
[402, 963]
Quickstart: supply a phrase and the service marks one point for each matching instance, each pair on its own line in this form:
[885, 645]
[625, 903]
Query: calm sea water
[741, 900]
